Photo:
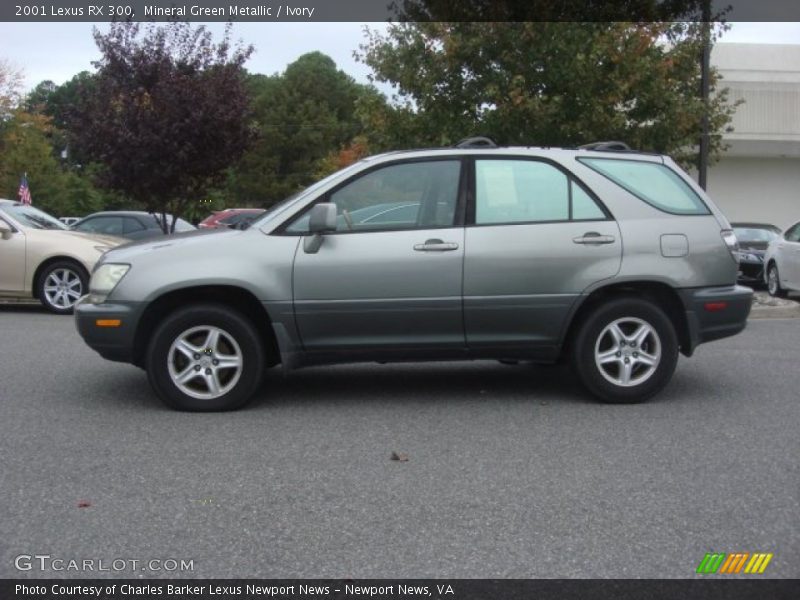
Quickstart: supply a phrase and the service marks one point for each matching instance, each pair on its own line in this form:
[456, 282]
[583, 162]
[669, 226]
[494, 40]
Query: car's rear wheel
[774, 282]
[60, 286]
[625, 350]
[205, 358]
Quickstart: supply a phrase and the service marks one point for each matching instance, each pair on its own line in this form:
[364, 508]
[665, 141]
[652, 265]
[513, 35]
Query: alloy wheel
[628, 351]
[205, 362]
[63, 288]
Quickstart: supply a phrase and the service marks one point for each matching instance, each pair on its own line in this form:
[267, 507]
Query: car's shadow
[363, 383]
[25, 307]
[420, 382]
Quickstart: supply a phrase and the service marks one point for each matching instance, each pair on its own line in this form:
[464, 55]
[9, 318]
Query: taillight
[729, 237]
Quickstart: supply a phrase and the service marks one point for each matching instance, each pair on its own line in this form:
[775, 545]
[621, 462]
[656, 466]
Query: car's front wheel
[774, 282]
[205, 358]
[625, 350]
[60, 286]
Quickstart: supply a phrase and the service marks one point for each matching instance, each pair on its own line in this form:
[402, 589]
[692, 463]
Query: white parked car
[782, 261]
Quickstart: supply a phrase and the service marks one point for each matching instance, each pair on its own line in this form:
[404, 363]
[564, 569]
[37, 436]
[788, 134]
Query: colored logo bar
[734, 563]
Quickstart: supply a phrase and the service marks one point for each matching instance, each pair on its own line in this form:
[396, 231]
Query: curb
[775, 312]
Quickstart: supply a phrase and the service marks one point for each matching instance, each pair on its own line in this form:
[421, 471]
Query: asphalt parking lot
[512, 471]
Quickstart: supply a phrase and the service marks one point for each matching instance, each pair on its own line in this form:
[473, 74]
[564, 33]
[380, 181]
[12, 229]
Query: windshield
[755, 234]
[29, 216]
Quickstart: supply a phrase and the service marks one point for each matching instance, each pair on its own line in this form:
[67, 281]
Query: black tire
[238, 337]
[71, 281]
[593, 336]
[774, 282]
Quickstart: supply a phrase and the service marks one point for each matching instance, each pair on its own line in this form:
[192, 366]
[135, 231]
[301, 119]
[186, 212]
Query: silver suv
[611, 259]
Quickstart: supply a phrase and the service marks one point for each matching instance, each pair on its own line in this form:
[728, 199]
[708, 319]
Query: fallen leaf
[84, 504]
[399, 456]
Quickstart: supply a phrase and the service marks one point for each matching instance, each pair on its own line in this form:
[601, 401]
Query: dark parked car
[232, 218]
[753, 241]
[133, 225]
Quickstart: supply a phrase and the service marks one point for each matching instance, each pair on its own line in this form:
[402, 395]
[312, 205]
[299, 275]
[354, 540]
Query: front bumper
[112, 343]
[715, 312]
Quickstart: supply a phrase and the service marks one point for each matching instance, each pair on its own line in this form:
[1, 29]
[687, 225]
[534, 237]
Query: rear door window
[655, 183]
[529, 191]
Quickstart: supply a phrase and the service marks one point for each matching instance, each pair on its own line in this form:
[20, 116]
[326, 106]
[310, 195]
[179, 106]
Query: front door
[536, 238]
[390, 277]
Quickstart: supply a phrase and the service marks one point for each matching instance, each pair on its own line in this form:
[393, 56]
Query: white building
[758, 178]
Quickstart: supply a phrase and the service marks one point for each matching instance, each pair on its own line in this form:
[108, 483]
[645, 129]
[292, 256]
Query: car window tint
[412, 195]
[418, 195]
[514, 191]
[583, 205]
[132, 225]
[754, 234]
[655, 183]
[105, 225]
[793, 235]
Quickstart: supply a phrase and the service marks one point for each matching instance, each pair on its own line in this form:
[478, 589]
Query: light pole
[705, 66]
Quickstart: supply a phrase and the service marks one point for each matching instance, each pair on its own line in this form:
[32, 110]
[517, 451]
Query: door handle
[435, 245]
[592, 238]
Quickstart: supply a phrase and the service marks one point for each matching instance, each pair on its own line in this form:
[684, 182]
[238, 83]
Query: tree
[536, 83]
[165, 114]
[25, 148]
[302, 116]
[10, 85]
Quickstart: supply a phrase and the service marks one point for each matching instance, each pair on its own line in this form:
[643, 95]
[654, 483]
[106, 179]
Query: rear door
[536, 237]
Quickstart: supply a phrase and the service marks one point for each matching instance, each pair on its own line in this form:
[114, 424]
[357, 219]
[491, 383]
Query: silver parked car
[613, 260]
[782, 260]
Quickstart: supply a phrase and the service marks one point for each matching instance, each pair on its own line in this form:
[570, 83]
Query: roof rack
[607, 147]
[476, 142]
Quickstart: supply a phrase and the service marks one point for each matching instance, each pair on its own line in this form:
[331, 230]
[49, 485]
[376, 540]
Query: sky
[57, 51]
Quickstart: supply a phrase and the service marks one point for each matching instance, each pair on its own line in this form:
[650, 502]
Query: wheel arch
[237, 298]
[42, 267]
[659, 293]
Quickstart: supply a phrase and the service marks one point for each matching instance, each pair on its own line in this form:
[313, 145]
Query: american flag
[24, 191]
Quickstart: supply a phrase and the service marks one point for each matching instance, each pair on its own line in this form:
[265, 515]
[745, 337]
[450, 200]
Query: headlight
[104, 280]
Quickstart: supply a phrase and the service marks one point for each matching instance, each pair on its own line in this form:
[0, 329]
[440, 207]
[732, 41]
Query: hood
[68, 234]
[108, 240]
[201, 237]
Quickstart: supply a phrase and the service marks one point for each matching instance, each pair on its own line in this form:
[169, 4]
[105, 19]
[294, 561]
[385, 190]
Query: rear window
[655, 183]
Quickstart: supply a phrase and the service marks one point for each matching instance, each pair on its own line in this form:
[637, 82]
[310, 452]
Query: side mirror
[322, 219]
[5, 230]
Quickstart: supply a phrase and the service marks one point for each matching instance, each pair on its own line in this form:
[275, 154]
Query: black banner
[398, 589]
[383, 10]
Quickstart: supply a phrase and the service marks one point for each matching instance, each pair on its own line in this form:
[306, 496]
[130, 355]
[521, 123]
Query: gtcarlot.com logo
[46, 562]
[734, 563]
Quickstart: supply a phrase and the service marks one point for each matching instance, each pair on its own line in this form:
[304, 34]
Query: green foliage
[165, 115]
[301, 117]
[558, 84]
[25, 147]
